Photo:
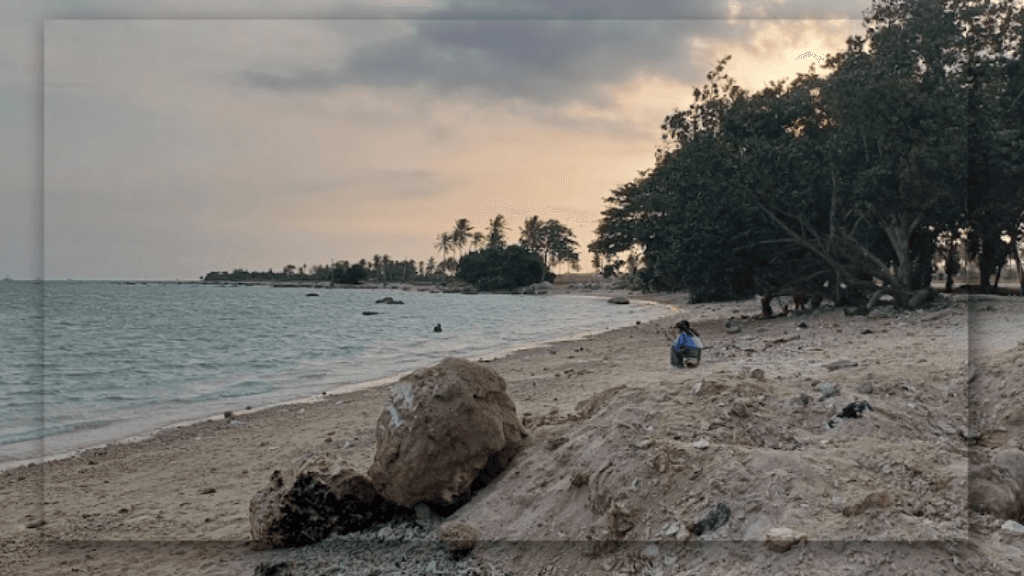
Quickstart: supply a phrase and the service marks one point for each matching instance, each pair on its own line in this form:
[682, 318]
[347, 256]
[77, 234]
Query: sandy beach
[748, 427]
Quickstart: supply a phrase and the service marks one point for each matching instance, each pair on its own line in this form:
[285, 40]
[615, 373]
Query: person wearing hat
[687, 346]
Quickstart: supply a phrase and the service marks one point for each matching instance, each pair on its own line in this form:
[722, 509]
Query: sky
[164, 139]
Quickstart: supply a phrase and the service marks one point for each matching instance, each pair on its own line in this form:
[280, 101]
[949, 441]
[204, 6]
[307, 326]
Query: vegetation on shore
[851, 185]
[491, 263]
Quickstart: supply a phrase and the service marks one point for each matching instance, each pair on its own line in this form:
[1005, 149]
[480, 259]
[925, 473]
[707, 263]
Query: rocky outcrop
[618, 300]
[388, 300]
[446, 430]
[308, 500]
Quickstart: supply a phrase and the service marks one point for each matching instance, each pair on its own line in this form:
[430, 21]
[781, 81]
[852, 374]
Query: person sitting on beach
[687, 346]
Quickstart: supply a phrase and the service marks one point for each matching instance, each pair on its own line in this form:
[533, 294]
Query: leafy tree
[840, 184]
[500, 268]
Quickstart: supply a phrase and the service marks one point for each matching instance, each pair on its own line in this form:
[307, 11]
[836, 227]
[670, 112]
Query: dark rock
[438, 327]
[312, 294]
[368, 313]
[309, 499]
[388, 300]
[273, 569]
[618, 300]
[714, 520]
[446, 430]
[854, 409]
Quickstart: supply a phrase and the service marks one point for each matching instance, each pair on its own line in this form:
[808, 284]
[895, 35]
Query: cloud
[544, 61]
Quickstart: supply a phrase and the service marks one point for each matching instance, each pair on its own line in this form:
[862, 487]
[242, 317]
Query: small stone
[425, 517]
[671, 530]
[228, 414]
[738, 409]
[207, 490]
[827, 390]
[782, 539]
[702, 443]
[838, 364]
[854, 409]
[757, 374]
[866, 388]
[713, 520]
[876, 499]
[697, 388]
[946, 428]
[1011, 527]
[459, 537]
[651, 552]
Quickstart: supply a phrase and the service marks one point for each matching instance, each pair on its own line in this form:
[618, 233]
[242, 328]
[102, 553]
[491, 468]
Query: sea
[85, 363]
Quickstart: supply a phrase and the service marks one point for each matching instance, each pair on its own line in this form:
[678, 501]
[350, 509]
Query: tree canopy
[840, 185]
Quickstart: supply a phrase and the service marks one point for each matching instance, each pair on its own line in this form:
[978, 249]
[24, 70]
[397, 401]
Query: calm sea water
[84, 363]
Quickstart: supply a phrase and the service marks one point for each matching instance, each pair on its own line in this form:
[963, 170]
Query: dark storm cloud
[547, 61]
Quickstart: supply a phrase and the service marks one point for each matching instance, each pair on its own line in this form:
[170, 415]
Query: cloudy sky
[159, 139]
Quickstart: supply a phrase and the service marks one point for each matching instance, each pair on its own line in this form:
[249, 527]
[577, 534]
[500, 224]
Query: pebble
[702, 443]
[782, 539]
[827, 390]
[1011, 527]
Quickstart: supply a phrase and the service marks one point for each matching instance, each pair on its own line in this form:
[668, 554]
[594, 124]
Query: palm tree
[478, 240]
[385, 260]
[496, 232]
[430, 266]
[460, 235]
[443, 245]
[531, 236]
[376, 263]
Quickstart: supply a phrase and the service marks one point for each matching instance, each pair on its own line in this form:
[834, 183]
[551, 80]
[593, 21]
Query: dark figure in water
[437, 328]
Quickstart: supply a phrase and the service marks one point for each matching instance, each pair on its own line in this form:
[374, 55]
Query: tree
[496, 232]
[531, 234]
[500, 268]
[840, 183]
[460, 236]
[477, 240]
[444, 246]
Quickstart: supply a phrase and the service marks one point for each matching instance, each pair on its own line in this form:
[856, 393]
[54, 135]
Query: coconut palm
[496, 232]
[443, 245]
[478, 240]
[460, 235]
[531, 236]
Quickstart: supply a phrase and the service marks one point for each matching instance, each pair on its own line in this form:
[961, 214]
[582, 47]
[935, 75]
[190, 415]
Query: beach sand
[177, 502]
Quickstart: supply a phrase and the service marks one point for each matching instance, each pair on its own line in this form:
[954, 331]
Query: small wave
[52, 430]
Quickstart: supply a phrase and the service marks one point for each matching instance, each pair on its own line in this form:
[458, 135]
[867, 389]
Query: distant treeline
[341, 272]
[491, 263]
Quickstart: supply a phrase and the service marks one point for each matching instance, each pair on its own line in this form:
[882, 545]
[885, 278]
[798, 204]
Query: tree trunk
[1020, 267]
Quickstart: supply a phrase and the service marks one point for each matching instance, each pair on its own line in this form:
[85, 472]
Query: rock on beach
[445, 430]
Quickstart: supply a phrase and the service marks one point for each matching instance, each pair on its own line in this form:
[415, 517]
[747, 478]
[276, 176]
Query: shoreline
[332, 390]
[186, 491]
